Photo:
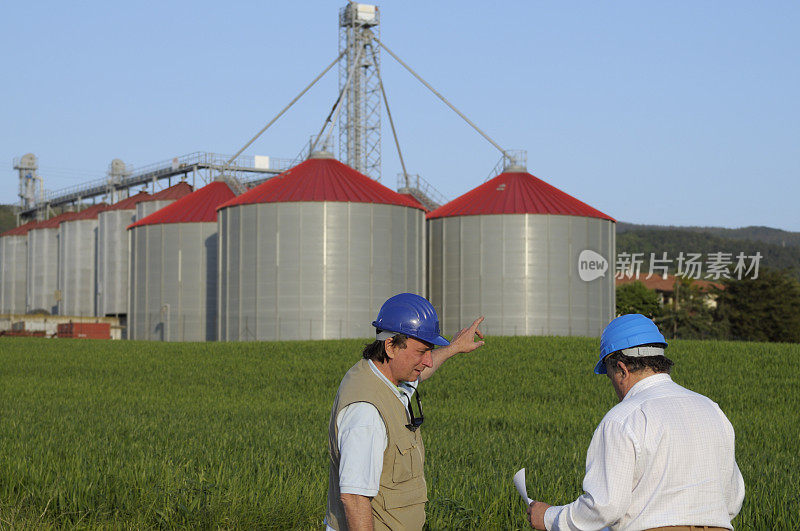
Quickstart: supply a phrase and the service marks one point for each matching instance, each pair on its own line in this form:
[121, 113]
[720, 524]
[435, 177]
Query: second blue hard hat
[412, 315]
[626, 331]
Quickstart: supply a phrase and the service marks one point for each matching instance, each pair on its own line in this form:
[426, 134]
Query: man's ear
[390, 347]
[622, 370]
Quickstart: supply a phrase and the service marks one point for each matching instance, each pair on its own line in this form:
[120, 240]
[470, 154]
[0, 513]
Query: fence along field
[136, 434]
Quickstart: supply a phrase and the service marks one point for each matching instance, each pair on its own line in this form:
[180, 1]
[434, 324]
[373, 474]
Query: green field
[137, 434]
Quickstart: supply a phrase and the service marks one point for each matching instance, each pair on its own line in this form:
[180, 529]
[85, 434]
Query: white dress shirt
[362, 440]
[663, 456]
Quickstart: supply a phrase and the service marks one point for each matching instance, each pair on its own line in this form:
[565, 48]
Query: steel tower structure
[30, 183]
[360, 118]
[117, 172]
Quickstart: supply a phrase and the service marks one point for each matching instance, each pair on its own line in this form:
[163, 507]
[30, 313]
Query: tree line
[673, 241]
[761, 234]
[8, 219]
[766, 308]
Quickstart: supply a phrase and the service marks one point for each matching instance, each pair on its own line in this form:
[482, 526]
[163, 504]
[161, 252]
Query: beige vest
[400, 502]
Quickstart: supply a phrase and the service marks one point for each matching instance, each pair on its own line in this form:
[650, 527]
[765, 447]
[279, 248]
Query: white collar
[409, 386]
[647, 383]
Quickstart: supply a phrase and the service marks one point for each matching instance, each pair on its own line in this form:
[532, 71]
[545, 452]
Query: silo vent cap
[321, 155]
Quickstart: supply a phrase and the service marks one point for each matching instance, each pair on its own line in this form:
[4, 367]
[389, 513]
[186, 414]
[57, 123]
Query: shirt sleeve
[362, 442]
[734, 494]
[607, 486]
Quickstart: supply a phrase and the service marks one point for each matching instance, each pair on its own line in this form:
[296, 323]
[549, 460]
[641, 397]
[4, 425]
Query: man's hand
[464, 341]
[357, 511]
[536, 514]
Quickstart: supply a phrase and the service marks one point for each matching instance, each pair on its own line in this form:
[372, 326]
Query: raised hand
[464, 341]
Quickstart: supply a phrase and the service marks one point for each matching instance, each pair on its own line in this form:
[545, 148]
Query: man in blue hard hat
[663, 458]
[376, 478]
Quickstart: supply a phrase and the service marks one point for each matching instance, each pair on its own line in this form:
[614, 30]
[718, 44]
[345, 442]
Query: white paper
[519, 482]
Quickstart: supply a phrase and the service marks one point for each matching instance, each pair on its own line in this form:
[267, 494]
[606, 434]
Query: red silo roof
[516, 193]
[197, 207]
[321, 179]
[176, 191]
[129, 203]
[53, 223]
[415, 201]
[89, 213]
[22, 230]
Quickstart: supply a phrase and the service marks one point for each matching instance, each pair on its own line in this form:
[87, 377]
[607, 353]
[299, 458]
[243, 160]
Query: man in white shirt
[661, 458]
[376, 478]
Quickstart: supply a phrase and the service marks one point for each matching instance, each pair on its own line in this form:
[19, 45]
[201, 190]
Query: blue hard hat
[627, 331]
[412, 315]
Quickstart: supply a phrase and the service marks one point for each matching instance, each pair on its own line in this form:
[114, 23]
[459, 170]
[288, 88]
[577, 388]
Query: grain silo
[77, 262]
[173, 269]
[42, 291]
[159, 200]
[512, 250]
[112, 255]
[415, 202]
[314, 252]
[14, 268]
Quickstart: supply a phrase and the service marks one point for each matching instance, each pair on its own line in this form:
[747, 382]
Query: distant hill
[756, 234]
[8, 217]
[779, 249]
[8, 220]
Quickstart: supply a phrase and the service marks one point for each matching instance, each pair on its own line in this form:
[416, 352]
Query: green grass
[136, 434]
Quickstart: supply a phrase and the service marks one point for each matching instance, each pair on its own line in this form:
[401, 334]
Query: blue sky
[682, 113]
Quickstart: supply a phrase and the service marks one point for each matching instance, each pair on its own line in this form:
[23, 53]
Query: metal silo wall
[112, 261]
[173, 282]
[13, 273]
[314, 270]
[77, 272]
[142, 245]
[42, 270]
[521, 272]
[145, 208]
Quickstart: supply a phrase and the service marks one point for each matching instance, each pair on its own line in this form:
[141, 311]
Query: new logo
[591, 265]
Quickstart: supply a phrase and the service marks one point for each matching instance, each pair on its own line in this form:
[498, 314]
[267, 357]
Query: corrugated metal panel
[173, 289]
[314, 270]
[13, 273]
[77, 273]
[516, 193]
[520, 272]
[42, 269]
[319, 180]
[144, 244]
[112, 261]
[84, 330]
